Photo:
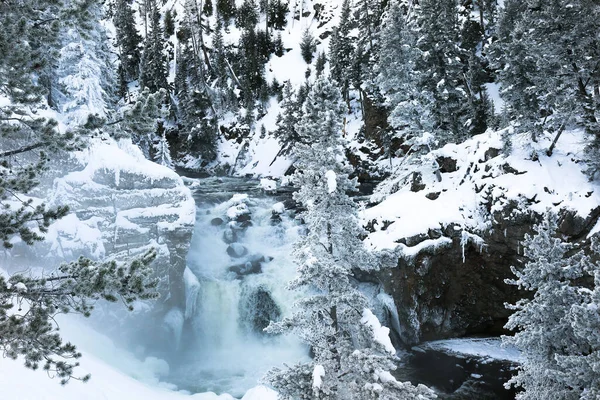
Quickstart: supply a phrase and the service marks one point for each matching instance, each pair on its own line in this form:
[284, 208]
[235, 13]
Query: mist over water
[223, 348]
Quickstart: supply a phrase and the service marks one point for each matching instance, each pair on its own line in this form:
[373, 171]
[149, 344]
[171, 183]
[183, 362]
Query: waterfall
[238, 266]
[192, 288]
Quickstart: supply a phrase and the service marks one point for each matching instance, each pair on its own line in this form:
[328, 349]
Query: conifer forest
[300, 199]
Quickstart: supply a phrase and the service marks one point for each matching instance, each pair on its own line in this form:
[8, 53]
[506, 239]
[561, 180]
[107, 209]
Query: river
[240, 263]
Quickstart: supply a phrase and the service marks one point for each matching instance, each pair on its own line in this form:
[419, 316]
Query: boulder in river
[252, 266]
[229, 236]
[237, 250]
[258, 309]
[216, 221]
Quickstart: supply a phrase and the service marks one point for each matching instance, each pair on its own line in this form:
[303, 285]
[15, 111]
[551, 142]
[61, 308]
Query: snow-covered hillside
[469, 184]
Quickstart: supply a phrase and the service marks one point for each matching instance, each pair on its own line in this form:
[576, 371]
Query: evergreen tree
[140, 120]
[153, 67]
[195, 116]
[84, 74]
[334, 319]
[219, 63]
[278, 45]
[398, 80]
[559, 354]
[548, 64]
[277, 14]
[520, 93]
[169, 24]
[250, 63]
[207, 8]
[128, 40]
[227, 10]
[308, 46]
[320, 66]
[582, 366]
[162, 153]
[73, 288]
[368, 19]
[247, 15]
[441, 68]
[286, 121]
[341, 50]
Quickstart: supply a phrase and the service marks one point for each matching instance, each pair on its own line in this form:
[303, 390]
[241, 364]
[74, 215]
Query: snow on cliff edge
[466, 184]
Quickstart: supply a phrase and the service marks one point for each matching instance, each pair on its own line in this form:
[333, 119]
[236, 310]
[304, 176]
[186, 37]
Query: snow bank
[116, 374]
[260, 393]
[488, 349]
[331, 181]
[318, 374]
[473, 183]
[381, 334]
[268, 185]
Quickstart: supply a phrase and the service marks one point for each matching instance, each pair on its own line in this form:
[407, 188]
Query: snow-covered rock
[456, 221]
[121, 205]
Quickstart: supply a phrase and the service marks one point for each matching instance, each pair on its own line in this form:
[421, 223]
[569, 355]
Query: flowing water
[239, 266]
[239, 263]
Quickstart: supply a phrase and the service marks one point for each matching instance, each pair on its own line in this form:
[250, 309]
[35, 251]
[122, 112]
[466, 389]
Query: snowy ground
[488, 349]
[483, 177]
[116, 375]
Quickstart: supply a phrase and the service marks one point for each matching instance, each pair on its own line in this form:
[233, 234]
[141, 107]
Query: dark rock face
[258, 309]
[447, 164]
[243, 217]
[440, 294]
[216, 221]
[252, 266]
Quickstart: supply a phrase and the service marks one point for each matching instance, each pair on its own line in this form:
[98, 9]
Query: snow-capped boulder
[121, 205]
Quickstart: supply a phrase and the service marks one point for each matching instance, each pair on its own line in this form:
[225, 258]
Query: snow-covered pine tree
[441, 67]
[140, 120]
[341, 50]
[162, 152]
[277, 14]
[207, 8]
[582, 367]
[559, 353]
[73, 288]
[523, 104]
[320, 65]
[153, 66]
[308, 46]
[398, 80]
[286, 121]
[195, 113]
[226, 10]
[368, 17]
[247, 15]
[23, 131]
[218, 57]
[128, 39]
[548, 64]
[250, 65]
[352, 352]
[85, 76]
